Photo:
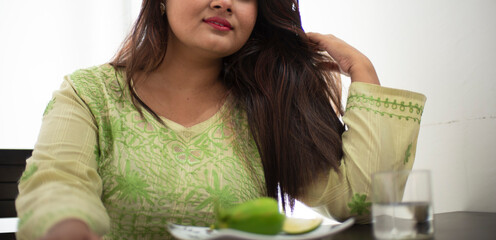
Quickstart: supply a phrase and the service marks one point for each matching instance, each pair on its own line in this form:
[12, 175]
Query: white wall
[40, 42]
[444, 49]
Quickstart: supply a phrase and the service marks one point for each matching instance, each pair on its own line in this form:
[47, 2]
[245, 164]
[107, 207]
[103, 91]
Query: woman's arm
[382, 131]
[61, 180]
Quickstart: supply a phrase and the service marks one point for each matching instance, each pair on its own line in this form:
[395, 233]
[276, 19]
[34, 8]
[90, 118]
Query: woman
[211, 101]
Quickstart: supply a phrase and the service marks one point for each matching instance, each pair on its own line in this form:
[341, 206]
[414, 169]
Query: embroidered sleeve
[382, 130]
[397, 107]
[61, 180]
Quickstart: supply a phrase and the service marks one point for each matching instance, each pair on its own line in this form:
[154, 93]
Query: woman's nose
[222, 5]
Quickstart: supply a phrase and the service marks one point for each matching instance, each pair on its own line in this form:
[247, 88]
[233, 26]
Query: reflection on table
[448, 226]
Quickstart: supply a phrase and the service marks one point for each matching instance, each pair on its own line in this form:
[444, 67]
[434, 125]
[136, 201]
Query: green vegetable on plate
[262, 216]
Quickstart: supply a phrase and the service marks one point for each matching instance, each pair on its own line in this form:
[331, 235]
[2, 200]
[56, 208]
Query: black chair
[12, 164]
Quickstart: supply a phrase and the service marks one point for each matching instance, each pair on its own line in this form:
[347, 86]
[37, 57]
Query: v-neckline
[198, 127]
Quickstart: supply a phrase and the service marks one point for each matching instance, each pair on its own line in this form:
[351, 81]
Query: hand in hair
[351, 61]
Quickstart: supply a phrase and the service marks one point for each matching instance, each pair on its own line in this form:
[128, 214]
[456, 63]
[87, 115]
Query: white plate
[205, 233]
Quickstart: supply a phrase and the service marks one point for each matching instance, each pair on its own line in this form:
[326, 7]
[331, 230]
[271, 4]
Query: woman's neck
[184, 88]
[186, 72]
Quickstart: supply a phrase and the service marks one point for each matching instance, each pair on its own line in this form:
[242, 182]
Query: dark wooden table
[447, 226]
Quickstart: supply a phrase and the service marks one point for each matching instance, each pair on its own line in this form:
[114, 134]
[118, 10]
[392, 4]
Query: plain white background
[443, 49]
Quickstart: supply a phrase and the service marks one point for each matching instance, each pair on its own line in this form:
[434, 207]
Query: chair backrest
[12, 164]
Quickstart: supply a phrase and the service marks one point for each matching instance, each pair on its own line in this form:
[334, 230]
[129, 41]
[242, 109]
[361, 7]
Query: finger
[311, 35]
[321, 39]
[316, 39]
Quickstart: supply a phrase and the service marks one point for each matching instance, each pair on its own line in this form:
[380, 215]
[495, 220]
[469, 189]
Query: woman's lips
[219, 23]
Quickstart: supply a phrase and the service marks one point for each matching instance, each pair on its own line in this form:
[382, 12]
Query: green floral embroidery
[30, 170]
[96, 152]
[131, 188]
[408, 154]
[192, 154]
[386, 103]
[217, 195]
[49, 107]
[375, 103]
[359, 205]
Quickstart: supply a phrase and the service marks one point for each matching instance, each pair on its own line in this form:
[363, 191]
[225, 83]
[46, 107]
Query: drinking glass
[402, 205]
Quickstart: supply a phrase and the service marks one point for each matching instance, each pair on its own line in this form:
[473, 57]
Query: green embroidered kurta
[125, 175]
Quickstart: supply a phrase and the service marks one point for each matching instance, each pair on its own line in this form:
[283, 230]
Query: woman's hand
[70, 229]
[351, 61]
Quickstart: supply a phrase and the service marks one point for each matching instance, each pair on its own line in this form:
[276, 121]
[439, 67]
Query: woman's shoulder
[96, 74]
[98, 81]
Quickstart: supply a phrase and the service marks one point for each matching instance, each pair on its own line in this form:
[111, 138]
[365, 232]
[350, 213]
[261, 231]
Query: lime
[259, 216]
[300, 225]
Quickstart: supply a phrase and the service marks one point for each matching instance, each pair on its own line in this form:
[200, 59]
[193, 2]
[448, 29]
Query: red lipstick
[219, 23]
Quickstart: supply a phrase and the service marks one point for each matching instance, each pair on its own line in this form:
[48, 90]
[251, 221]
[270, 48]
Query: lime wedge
[300, 225]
